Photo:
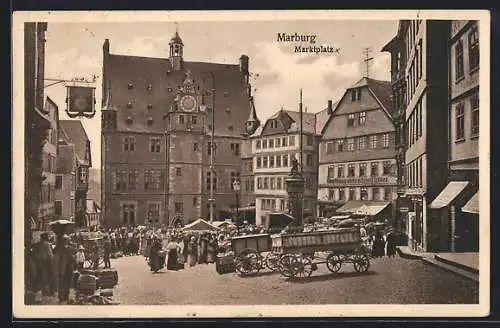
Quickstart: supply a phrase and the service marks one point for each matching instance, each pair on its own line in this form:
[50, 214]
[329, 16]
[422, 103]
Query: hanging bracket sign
[80, 101]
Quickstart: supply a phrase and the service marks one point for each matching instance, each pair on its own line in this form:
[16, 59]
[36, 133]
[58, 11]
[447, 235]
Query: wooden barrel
[107, 278]
[224, 264]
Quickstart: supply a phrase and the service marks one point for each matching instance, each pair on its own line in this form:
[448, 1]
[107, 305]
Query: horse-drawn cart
[248, 254]
[300, 253]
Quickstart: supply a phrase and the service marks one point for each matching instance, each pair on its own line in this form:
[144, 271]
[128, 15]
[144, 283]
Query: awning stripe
[449, 193]
[472, 206]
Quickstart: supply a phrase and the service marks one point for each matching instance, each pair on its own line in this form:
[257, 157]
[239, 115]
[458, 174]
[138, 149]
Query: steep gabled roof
[322, 118]
[232, 105]
[74, 133]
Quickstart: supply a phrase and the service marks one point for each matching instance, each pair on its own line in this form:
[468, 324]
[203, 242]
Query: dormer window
[129, 104]
[149, 121]
[149, 87]
[150, 106]
[226, 94]
[274, 124]
[129, 120]
[130, 86]
[355, 94]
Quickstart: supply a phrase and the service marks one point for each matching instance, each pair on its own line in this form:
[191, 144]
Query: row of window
[155, 146]
[189, 88]
[82, 177]
[414, 124]
[415, 72]
[277, 161]
[359, 143]
[270, 143]
[267, 204]
[414, 176]
[356, 119]
[346, 194]
[460, 118]
[271, 183]
[49, 163]
[361, 170]
[473, 52]
[412, 34]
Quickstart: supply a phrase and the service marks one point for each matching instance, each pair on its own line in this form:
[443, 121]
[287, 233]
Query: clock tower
[186, 146]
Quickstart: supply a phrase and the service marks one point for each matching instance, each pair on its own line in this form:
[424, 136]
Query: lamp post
[236, 188]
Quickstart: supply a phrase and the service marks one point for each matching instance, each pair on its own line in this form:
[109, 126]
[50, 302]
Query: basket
[224, 264]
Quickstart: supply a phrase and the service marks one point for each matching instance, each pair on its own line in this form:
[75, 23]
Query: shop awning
[449, 193]
[472, 205]
[364, 205]
[371, 210]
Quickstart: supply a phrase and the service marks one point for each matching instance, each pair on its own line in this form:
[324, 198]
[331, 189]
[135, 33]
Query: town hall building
[172, 134]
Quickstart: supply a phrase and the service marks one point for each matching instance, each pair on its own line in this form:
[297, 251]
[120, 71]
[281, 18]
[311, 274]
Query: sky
[278, 74]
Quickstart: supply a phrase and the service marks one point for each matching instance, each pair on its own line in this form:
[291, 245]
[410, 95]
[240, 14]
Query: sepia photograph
[251, 164]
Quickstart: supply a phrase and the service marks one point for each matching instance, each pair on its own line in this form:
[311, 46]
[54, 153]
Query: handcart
[300, 253]
[89, 245]
[248, 254]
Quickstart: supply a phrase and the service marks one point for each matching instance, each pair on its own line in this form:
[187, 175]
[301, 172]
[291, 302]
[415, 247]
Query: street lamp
[236, 188]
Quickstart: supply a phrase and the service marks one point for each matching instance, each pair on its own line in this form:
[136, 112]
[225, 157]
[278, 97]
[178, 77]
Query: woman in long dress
[173, 251]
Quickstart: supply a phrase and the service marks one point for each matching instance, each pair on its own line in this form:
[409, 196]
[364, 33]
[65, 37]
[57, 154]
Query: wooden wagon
[249, 252]
[300, 253]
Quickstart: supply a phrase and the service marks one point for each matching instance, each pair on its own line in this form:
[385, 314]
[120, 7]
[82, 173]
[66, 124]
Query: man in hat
[43, 260]
[64, 264]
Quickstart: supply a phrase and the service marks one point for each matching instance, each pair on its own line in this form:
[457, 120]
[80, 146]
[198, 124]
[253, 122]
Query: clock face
[80, 103]
[188, 103]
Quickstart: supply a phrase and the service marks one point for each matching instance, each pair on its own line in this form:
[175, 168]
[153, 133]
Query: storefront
[416, 229]
[453, 228]
[469, 226]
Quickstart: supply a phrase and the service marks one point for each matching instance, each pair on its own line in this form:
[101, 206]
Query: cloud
[292, 74]
[144, 46]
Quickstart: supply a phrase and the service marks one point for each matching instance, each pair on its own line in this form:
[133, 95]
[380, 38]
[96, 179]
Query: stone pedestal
[295, 190]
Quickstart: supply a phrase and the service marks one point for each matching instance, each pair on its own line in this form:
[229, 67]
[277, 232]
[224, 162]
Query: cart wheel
[286, 265]
[303, 267]
[272, 261]
[248, 263]
[361, 263]
[333, 262]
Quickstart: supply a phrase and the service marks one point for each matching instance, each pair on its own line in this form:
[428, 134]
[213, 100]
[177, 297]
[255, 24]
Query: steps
[452, 267]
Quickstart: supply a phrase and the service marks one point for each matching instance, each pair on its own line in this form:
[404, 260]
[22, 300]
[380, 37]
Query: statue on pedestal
[295, 167]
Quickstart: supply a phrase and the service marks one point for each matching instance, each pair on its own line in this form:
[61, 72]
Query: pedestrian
[203, 244]
[173, 251]
[212, 248]
[391, 244]
[64, 266]
[80, 258]
[107, 252]
[192, 251]
[44, 263]
[95, 257]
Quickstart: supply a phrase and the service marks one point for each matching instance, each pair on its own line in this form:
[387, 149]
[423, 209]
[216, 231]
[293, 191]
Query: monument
[295, 189]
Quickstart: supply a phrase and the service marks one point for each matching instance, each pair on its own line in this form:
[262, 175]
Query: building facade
[456, 206]
[274, 145]
[396, 48]
[46, 212]
[37, 122]
[357, 158]
[71, 180]
[426, 103]
[172, 133]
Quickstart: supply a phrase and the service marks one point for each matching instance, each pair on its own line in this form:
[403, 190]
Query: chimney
[330, 107]
[105, 47]
[244, 65]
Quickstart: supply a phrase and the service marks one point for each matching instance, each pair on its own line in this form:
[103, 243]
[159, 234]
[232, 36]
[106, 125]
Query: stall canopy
[472, 205]
[449, 193]
[200, 225]
[221, 224]
[371, 210]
